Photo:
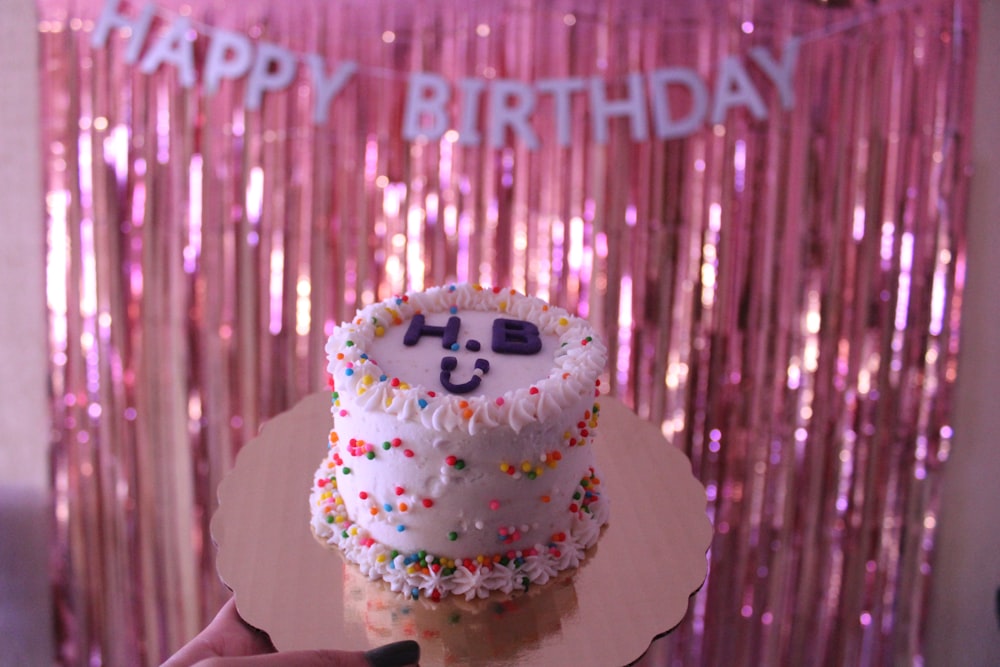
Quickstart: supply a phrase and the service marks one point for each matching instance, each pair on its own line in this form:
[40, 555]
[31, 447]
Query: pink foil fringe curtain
[781, 292]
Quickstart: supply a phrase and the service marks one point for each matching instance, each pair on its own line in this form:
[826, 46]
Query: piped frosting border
[423, 575]
[578, 362]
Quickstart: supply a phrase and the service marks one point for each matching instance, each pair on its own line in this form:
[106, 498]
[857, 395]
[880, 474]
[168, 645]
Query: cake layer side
[421, 573]
[458, 495]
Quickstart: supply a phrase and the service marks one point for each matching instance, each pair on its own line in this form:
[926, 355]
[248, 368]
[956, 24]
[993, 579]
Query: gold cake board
[633, 586]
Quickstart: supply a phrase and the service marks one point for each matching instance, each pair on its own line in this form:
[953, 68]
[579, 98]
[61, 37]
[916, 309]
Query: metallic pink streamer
[782, 294]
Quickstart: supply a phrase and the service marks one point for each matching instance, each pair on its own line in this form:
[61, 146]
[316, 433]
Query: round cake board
[633, 586]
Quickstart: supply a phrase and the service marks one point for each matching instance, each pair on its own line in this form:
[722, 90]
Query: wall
[965, 618]
[25, 628]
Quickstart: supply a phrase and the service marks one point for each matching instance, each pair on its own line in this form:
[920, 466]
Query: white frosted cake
[460, 459]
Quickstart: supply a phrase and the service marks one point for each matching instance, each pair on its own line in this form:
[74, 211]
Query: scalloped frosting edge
[577, 363]
[422, 575]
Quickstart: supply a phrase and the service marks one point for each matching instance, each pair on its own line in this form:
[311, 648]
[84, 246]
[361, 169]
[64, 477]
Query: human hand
[228, 641]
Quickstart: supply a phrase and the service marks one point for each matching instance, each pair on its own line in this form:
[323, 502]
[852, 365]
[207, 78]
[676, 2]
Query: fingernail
[397, 654]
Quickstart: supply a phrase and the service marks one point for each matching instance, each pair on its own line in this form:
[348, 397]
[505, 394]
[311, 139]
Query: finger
[226, 635]
[234, 636]
[291, 659]
[399, 654]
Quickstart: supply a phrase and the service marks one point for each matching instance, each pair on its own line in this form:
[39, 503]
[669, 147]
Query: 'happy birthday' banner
[430, 97]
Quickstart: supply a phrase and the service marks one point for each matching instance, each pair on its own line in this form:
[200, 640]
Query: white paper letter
[325, 88]
[468, 132]
[783, 73]
[426, 98]
[659, 81]
[111, 19]
[511, 104]
[633, 106]
[273, 69]
[229, 57]
[562, 91]
[734, 87]
[174, 47]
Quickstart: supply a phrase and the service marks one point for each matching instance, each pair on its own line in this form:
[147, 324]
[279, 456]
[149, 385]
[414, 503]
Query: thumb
[398, 654]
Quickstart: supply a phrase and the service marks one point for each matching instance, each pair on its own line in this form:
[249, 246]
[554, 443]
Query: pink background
[967, 571]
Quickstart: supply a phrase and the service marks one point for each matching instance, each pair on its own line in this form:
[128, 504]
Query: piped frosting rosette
[421, 574]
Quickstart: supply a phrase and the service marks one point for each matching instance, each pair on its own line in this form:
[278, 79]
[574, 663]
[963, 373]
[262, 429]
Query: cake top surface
[465, 357]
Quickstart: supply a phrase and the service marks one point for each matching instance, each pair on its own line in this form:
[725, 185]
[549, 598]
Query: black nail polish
[397, 654]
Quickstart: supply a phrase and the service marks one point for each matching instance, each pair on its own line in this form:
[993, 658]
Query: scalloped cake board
[632, 587]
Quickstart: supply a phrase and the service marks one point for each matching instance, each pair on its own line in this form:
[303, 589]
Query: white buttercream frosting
[489, 486]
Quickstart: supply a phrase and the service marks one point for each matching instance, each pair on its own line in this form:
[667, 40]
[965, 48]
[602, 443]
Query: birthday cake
[461, 458]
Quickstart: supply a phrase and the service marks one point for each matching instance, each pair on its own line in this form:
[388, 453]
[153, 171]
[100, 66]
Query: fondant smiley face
[509, 336]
